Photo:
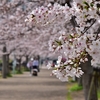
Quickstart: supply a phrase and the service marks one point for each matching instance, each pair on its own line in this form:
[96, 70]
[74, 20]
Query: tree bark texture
[4, 63]
[19, 65]
[89, 86]
[8, 69]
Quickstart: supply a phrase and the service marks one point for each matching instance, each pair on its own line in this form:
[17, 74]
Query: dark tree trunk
[19, 65]
[4, 63]
[90, 90]
[7, 59]
[26, 58]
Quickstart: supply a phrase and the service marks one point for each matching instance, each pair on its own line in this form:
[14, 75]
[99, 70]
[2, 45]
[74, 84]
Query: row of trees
[16, 36]
[72, 31]
[20, 38]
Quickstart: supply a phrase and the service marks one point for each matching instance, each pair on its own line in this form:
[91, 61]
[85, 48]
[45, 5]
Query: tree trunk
[19, 65]
[89, 86]
[27, 58]
[8, 70]
[4, 63]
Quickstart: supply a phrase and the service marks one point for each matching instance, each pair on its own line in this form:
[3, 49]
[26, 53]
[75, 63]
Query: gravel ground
[26, 87]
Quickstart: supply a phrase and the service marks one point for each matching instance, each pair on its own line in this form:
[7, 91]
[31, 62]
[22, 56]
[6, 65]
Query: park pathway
[26, 87]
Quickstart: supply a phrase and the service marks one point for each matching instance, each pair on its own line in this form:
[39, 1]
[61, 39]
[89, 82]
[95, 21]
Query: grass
[9, 75]
[69, 97]
[75, 87]
[25, 69]
[72, 88]
[98, 94]
[19, 72]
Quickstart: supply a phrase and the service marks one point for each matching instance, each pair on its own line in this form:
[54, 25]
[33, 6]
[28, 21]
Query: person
[36, 64]
[30, 64]
[14, 63]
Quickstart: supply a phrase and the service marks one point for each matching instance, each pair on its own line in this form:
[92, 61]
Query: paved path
[25, 87]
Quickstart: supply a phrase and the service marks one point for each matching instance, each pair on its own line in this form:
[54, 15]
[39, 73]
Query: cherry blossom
[76, 44]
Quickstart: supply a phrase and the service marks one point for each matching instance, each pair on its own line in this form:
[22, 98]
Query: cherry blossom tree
[15, 34]
[80, 46]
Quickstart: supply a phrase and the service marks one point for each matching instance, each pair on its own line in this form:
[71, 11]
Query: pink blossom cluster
[75, 46]
[50, 14]
[19, 37]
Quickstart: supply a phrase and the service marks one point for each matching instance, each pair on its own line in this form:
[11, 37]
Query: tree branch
[98, 31]
[94, 20]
